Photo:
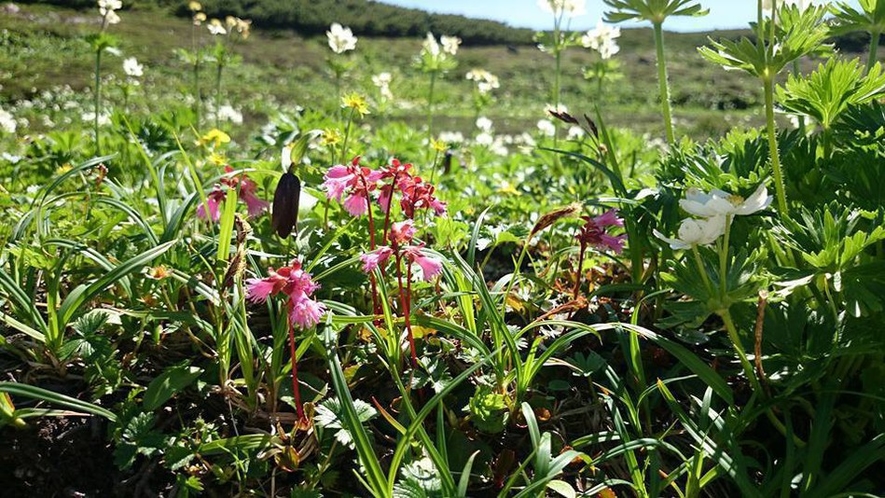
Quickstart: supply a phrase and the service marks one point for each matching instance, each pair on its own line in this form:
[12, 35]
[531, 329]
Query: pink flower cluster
[356, 185]
[297, 285]
[400, 238]
[246, 191]
[594, 234]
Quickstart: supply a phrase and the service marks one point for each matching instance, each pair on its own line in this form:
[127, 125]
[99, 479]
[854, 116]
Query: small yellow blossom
[199, 17]
[230, 22]
[331, 137]
[215, 137]
[244, 27]
[438, 145]
[356, 102]
[64, 168]
[159, 272]
[194, 6]
[217, 159]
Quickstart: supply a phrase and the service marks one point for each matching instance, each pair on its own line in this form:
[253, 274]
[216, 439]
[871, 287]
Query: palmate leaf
[831, 89]
[797, 33]
[870, 17]
[329, 415]
[652, 10]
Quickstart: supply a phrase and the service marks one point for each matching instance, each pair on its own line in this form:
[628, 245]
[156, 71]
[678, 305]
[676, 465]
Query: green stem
[874, 48]
[702, 269]
[430, 107]
[772, 147]
[525, 248]
[218, 92]
[739, 349]
[97, 98]
[662, 82]
[198, 99]
[723, 259]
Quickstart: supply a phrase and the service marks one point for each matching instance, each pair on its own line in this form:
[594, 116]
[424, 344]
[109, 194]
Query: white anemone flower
[484, 124]
[546, 127]
[216, 28]
[719, 203]
[430, 45]
[341, 39]
[695, 232]
[132, 68]
[7, 122]
[450, 44]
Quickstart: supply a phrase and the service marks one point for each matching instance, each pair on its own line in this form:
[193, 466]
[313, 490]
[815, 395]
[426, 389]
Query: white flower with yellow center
[695, 232]
[719, 203]
[450, 44]
[341, 39]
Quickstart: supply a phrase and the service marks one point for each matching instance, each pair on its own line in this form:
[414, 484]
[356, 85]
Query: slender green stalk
[739, 349]
[701, 268]
[772, 147]
[430, 106]
[218, 91]
[874, 48]
[525, 248]
[662, 82]
[97, 98]
[723, 258]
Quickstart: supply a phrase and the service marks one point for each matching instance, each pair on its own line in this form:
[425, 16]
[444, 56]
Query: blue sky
[724, 14]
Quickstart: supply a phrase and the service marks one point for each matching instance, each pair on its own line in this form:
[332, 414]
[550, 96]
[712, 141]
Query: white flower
[430, 46]
[695, 232]
[485, 81]
[103, 119]
[558, 109]
[485, 138]
[228, 113]
[132, 68]
[382, 81]
[111, 17]
[575, 133]
[216, 28]
[602, 39]
[484, 124]
[546, 127]
[7, 122]
[571, 8]
[12, 159]
[341, 39]
[110, 5]
[719, 203]
[451, 137]
[450, 44]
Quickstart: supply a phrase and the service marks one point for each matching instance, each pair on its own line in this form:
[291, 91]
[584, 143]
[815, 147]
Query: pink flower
[354, 182]
[254, 205]
[214, 198]
[338, 179]
[593, 233]
[291, 280]
[609, 218]
[430, 266]
[305, 312]
[401, 233]
[258, 289]
[356, 205]
[372, 260]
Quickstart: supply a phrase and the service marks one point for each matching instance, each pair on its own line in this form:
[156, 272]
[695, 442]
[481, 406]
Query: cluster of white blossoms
[571, 8]
[485, 81]
[341, 39]
[449, 44]
[382, 82]
[108, 10]
[714, 211]
[7, 122]
[603, 40]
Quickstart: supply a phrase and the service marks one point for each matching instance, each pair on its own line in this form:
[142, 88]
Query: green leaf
[165, 385]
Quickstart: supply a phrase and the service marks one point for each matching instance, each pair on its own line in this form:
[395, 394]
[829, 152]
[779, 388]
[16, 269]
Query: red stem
[578, 272]
[295, 390]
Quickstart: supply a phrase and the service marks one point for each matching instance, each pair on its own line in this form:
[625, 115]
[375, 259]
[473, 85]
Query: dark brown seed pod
[284, 216]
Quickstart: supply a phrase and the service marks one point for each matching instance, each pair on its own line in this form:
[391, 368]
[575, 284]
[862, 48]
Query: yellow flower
[438, 145]
[215, 137]
[244, 27]
[64, 168]
[230, 22]
[199, 17]
[330, 137]
[217, 159]
[194, 6]
[356, 102]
